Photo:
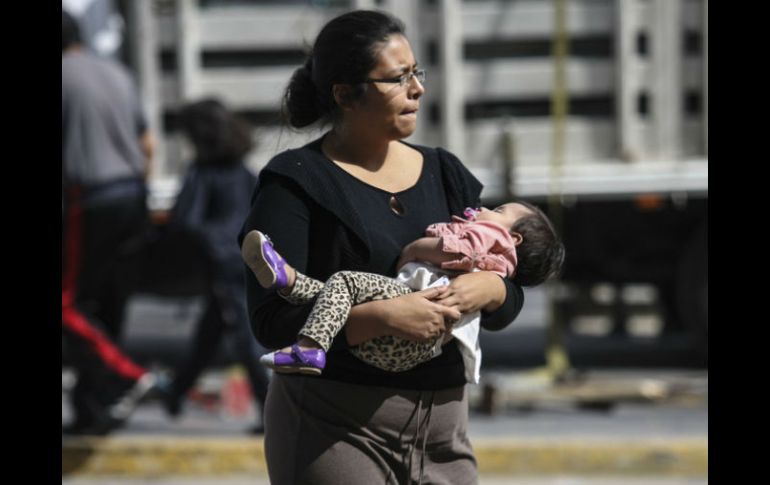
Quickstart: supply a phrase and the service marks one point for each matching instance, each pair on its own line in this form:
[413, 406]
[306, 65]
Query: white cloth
[419, 276]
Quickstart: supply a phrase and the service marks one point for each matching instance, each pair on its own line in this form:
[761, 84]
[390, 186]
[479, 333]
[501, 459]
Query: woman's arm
[507, 312]
[282, 211]
[415, 316]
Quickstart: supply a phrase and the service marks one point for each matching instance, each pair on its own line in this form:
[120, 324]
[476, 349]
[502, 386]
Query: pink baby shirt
[485, 245]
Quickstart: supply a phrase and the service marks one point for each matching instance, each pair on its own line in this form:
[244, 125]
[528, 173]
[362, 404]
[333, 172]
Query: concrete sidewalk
[155, 456]
[251, 479]
[644, 424]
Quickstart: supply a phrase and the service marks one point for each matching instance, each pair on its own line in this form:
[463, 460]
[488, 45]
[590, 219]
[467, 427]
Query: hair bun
[300, 99]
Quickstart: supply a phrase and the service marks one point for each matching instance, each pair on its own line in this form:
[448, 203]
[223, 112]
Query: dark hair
[219, 136]
[344, 52]
[541, 252]
[70, 32]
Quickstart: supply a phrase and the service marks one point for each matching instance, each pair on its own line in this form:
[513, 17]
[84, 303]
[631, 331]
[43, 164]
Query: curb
[678, 457]
[598, 390]
[162, 456]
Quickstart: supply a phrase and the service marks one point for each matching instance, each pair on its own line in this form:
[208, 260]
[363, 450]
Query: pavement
[628, 424]
[251, 479]
[636, 414]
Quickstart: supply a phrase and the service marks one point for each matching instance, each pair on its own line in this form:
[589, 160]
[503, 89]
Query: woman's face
[390, 108]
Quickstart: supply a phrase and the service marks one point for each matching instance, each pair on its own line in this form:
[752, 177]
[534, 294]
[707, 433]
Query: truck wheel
[692, 290]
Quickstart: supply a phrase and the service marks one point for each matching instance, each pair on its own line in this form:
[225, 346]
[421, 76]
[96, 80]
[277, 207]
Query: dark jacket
[212, 204]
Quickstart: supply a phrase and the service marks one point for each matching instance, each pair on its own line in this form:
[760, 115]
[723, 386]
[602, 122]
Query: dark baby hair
[219, 136]
[541, 252]
[345, 51]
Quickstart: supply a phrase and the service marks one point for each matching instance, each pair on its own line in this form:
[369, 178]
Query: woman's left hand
[468, 292]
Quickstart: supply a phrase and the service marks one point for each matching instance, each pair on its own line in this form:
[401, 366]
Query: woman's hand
[417, 316]
[469, 292]
[414, 316]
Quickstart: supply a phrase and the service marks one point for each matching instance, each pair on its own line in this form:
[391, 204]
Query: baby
[515, 240]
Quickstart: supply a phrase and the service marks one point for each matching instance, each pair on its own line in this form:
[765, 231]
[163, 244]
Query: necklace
[396, 206]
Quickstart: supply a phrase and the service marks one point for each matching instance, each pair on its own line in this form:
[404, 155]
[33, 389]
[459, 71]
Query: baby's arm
[427, 250]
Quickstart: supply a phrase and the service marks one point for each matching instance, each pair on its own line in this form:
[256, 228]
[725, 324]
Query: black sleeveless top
[393, 220]
[322, 220]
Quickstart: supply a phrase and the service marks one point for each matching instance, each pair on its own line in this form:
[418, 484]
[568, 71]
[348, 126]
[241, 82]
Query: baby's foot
[266, 264]
[295, 360]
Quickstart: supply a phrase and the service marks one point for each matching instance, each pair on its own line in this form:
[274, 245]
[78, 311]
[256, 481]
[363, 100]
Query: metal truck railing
[636, 79]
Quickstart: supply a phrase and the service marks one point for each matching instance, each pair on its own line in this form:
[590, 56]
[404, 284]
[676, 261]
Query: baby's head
[539, 250]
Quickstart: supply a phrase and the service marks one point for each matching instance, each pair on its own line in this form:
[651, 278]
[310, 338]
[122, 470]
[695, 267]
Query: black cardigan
[309, 191]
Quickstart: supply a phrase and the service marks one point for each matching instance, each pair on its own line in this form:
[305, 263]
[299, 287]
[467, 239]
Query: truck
[596, 110]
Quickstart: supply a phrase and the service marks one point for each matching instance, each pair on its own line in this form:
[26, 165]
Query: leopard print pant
[343, 290]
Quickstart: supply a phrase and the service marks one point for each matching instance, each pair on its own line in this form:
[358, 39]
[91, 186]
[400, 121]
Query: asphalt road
[157, 331]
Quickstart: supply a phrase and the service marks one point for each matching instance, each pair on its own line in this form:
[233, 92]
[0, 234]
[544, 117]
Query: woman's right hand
[416, 316]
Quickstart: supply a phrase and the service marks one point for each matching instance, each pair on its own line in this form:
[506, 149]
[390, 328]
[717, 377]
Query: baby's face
[506, 215]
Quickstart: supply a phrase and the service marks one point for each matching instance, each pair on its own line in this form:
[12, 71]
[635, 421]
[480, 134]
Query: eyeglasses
[403, 79]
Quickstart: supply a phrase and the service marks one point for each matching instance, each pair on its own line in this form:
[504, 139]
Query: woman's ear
[517, 238]
[343, 95]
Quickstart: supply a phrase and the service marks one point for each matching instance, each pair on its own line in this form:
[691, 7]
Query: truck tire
[692, 291]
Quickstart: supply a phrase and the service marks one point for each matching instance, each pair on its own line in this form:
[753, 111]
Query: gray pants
[324, 432]
[343, 290]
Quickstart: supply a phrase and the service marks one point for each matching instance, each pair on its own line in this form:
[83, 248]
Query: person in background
[351, 200]
[211, 206]
[106, 154]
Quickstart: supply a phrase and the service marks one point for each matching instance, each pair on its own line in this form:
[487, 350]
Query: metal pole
[626, 85]
[667, 105]
[452, 96]
[144, 42]
[408, 11]
[188, 49]
[557, 360]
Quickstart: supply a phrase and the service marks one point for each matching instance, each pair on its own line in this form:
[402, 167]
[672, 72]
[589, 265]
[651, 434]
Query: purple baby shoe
[268, 266]
[297, 361]
[471, 213]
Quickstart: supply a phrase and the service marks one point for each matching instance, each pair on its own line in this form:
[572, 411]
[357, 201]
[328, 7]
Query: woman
[357, 423]
[211, 206]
